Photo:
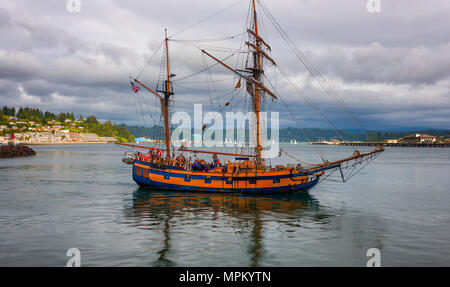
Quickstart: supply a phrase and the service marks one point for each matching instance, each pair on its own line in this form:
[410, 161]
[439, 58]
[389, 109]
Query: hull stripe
[145, 175]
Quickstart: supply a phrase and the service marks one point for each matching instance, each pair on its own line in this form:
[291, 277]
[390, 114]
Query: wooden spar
[187, 150]
[214, 152]
[139, 146]
[258, 38]
[359, 155]
[259, 84]
[167, 62]
[166, 101]
[225, 65]
[261, 52]
[149, 89]
[166, 125]
[262, 87]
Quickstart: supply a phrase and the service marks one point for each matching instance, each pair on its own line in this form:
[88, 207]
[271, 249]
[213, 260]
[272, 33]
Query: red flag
[134, 88]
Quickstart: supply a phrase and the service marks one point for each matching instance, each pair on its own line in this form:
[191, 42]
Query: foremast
[165, 101]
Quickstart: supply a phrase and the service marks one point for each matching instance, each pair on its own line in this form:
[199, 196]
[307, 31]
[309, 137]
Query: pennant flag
[134, 88]
[238, 85]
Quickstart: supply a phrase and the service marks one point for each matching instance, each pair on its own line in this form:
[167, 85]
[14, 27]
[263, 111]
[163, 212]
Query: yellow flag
[238, 85]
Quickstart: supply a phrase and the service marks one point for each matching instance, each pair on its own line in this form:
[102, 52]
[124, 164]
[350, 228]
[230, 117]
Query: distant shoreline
[64, 143]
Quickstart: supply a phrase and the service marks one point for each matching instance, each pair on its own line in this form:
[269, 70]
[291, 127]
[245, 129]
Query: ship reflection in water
[245, 215]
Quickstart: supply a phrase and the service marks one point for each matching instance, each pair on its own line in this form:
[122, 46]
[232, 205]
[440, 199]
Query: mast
[255, 86]
[166, 100]
[257, 76]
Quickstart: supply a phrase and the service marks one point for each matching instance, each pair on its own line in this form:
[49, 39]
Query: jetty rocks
[15, 150]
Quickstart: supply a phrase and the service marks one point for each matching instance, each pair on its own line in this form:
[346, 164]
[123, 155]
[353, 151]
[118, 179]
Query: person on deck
[195, 166]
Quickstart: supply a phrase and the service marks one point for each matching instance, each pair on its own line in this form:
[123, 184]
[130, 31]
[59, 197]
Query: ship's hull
[176, 178]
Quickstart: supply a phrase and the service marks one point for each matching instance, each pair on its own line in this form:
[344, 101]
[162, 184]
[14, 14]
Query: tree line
[36, 115]
[309, 134]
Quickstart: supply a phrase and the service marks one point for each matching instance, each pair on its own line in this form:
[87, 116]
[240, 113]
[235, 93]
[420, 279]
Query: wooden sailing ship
[248, 173]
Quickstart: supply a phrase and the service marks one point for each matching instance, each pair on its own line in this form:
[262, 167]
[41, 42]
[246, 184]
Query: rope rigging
[207, 18]
[209, 67]
[310, 102]
[206, 40]
[300, 161]
[150, 59]
[311, 68]
[245, 61]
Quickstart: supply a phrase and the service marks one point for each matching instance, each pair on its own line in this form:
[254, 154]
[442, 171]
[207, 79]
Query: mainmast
[257, 76]
[255, 86]
[165, 102]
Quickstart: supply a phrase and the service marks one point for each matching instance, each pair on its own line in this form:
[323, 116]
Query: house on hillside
[419, 138]
[108, 139]
[75, 137]
[89, 137]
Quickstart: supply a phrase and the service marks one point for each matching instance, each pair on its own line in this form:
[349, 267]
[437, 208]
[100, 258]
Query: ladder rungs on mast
[261, 52]
[252, 80]
[259, 39]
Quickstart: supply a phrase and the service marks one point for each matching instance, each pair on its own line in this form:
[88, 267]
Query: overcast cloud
[391, 68]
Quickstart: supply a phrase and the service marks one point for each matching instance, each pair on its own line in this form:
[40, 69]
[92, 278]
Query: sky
[391, 68]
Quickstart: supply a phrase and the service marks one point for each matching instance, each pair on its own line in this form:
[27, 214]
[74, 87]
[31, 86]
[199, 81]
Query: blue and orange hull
[177, 178]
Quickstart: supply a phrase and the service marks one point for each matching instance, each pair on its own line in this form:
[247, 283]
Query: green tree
[21, 113]
[91, 120]
[61, 117]
[9, 111]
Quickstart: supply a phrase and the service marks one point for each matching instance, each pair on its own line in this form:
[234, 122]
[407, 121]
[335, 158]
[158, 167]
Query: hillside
[35, 120]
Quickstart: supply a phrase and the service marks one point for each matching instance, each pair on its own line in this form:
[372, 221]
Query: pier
[439, 145]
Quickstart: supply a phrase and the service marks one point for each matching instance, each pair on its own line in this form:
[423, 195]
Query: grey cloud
[392, 67]
[18, 65]
[5, 19]
[378, 64]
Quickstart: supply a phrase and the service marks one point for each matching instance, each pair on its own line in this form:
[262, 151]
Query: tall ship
[174, 168]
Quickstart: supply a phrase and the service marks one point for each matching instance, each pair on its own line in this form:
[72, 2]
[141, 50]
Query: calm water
[83, 196]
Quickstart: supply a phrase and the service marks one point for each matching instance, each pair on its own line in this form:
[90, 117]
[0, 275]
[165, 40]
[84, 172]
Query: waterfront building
[419, 138]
